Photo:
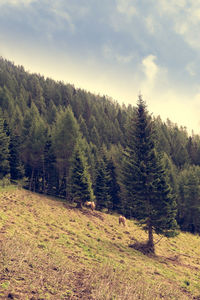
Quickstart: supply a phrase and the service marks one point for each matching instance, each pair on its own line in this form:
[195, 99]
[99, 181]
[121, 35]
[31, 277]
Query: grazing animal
[122, 220]
[90, 205]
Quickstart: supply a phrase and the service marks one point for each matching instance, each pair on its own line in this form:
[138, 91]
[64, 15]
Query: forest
[62, 141]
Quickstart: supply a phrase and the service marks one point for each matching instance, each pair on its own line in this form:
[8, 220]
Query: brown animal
[90, 204]
[122, 220]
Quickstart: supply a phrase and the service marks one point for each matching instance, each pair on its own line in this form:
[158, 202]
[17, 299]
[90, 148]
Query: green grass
[51, 250]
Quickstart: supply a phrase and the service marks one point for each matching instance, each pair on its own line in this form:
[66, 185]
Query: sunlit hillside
[51, 250]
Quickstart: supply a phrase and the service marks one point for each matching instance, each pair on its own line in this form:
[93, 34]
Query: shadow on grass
[95, 213]
[143, 247]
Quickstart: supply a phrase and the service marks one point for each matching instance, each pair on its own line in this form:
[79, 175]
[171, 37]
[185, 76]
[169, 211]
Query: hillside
[51, 250]
[44, 122]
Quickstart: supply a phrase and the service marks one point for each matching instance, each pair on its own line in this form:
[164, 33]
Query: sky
[117, 48]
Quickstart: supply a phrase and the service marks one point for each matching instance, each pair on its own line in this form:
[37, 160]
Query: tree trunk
[66, 188]
[79, 204]
[31, 180]
[150, 243]
[57, 184]
[43, 178]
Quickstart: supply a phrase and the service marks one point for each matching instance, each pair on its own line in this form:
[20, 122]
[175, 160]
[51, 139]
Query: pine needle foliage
[149, 197]
[80, 181]
[4, 150]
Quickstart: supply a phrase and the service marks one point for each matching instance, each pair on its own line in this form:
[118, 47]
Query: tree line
[69, 143]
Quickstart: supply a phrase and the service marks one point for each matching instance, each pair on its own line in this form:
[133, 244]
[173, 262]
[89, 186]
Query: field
[51, 250]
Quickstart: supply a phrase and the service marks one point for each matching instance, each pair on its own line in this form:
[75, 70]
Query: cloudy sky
[118, 48]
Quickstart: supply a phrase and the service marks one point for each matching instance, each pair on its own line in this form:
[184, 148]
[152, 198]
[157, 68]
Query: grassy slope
[51, 250]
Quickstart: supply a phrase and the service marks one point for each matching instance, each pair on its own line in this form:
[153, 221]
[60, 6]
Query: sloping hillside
[51, 250]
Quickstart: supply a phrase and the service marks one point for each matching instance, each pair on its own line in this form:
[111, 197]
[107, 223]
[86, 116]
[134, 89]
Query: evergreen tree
[80, 181]
[49, 172]
[6, 102]
[171, 173]
[16, 121]
[4, 151]
[114, 187]
[102, 189]
[189, 199]
[65, 134]
[145, 180]
[83, 127]
[16, 166]
[193, 148]
[51, 112]
[34, 135]
[34, 106]
[178, 144]
[95, 137]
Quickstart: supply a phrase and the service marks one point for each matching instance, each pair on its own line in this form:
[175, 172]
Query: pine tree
[114, 187]
[16, 166]
[49, 170]
[95, 136]
[189, 199]
[34, 134]
[4, 151]
[83, 127]
[80, 181]
[149, 195]
[65, 134]
[102, 189]
[171, 173]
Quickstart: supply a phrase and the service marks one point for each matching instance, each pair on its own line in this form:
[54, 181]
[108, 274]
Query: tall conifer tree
[49, 170]
[114, 187]
[65, 134]
[80, 181]
[4, 151]
[102, 188]
[16, 167]
[149, 195]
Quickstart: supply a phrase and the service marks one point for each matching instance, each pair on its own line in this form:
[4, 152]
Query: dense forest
[66, 142]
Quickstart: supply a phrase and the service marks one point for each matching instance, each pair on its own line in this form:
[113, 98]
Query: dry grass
[26, 270]
[51, 250]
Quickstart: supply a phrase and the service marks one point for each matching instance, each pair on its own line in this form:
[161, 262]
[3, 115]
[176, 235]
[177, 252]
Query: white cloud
[63, 15]
[138, 28]
[171, 6]
[107, 51]
[125, 59]
[150, 68]
[184, 17]
[150, 24]
[126, 7]
[110, 54]
[77, 10]
[17, 2]
[191, 68]
[166, 100]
